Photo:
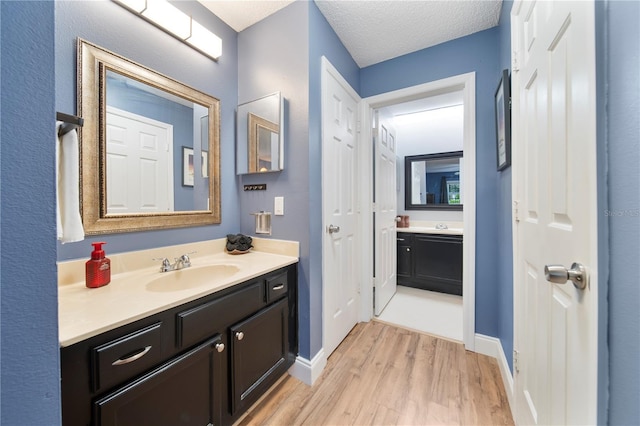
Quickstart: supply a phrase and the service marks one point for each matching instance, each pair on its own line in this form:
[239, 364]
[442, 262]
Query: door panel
[139, 149]
[339, 168]
[385, 212]
[554, 182]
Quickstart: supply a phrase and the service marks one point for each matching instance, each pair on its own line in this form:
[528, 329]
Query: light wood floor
[384, 375]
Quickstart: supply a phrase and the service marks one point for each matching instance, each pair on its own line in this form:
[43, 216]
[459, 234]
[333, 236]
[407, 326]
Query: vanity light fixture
[169, 18]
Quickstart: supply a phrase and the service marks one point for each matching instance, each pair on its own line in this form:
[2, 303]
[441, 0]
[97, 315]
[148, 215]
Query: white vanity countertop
[85, 312]
[429, 227]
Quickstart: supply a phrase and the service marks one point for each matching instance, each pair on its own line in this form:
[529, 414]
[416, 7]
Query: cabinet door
[184, 391]
[259, 349]
[404, 256]
[438, 262]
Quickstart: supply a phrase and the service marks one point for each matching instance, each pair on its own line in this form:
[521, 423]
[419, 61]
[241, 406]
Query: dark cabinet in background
[430, 262]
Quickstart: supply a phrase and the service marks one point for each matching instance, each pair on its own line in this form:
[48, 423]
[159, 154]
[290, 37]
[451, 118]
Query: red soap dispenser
[98, 269]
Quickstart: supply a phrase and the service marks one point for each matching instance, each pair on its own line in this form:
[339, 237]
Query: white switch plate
[278, 206]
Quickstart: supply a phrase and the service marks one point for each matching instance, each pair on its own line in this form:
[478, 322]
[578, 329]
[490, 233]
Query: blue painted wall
[282, 53]
[30, 392]
[503, 211]
[273, 57]
[480, 53]
[620, 61]
[114, 28]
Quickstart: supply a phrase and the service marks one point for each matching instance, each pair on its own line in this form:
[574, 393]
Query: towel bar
[70, 122]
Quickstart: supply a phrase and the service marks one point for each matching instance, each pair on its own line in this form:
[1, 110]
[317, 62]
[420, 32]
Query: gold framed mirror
[149, 148]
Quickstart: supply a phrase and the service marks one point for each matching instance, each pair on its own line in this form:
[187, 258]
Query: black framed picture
[503, 121]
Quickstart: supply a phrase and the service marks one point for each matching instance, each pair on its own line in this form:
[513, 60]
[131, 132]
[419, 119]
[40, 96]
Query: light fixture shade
[168, 17]
[204, 40]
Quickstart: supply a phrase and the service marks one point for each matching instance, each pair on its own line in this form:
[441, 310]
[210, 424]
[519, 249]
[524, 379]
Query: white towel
[68, 217]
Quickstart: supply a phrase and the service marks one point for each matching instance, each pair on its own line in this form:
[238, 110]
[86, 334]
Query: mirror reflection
[260, 146]
[147, 131]
[149, 147]
[434, 181]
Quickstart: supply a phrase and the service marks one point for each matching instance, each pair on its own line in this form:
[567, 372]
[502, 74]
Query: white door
[141, 151]
[554, 153]
[341, 250]
[385, 212]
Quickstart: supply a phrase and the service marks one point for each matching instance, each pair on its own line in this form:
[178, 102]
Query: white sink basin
[192, 277]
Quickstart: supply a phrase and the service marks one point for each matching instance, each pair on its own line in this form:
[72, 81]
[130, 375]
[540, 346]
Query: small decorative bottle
[98, 269]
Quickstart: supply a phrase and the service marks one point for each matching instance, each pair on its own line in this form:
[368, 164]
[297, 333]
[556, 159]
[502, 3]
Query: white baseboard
[491, 346]
[308, 371]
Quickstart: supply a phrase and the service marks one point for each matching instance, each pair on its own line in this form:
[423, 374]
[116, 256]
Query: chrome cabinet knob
[220, 347]
[559, 274]
[239, 335]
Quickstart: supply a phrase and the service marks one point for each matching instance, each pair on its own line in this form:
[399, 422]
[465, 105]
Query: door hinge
[516, 362]
[358, 126]
[374, 294]
[516, 211]
[514, 61]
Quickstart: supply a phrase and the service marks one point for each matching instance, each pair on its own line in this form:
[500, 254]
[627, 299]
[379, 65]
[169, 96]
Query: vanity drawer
[277, 286]
[124, 358]
[203, 321]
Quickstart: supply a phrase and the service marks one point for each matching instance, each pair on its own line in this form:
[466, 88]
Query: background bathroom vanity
[430, 260]
[204, 362]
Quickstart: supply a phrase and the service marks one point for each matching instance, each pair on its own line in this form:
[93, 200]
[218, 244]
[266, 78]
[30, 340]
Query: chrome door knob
[559, 274]
[332, 229]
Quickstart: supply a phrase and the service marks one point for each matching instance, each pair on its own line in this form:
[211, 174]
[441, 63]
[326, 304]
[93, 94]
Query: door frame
[466, 83]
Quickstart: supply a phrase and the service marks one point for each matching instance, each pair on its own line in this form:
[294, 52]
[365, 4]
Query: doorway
[465, 86]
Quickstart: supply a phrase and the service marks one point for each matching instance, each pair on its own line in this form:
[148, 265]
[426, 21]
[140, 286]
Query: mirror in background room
[150, 147]
[260, 132]
[434, 181]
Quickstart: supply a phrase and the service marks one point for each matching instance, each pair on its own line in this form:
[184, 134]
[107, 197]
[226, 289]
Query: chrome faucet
[442, 226]
[179, 263]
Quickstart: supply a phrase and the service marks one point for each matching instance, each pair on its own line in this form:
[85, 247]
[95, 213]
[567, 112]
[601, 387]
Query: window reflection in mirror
[434, 181]
[146, 131]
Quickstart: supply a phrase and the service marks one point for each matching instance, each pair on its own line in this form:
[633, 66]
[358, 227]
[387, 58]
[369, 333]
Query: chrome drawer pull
[278, 287]
[132, 358]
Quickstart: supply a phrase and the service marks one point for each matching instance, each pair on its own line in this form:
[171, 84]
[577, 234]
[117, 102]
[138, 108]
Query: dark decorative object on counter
[239, 243]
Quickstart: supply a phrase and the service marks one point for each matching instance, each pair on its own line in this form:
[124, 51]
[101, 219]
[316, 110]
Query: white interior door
[139, 164]
[554, 155]
[385, 212]
[341, 251]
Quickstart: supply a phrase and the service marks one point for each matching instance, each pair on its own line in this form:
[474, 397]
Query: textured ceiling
[376, 30]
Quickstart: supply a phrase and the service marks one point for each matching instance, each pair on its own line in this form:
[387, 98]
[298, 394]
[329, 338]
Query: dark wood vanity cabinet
[202, 363]
[430, 262]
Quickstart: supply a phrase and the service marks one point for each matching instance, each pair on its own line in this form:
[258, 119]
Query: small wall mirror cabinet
[260, 130]
[434, 181]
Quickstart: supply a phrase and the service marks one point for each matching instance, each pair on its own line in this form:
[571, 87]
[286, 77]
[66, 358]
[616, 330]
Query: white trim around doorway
[466, 83]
